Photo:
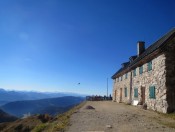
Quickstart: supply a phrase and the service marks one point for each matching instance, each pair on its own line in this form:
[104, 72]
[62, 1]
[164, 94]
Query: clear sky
[52, 45]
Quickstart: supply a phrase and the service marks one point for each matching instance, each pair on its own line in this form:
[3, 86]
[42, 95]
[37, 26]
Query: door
[115, 98]
[120, 94]
[143, 94]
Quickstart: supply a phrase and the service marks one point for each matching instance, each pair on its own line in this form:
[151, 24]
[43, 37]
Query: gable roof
[158, 44]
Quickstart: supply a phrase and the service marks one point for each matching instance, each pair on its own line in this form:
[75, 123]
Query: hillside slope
[40, 123]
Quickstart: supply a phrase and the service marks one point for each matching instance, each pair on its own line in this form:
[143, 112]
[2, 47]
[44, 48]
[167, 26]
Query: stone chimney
[140, 47]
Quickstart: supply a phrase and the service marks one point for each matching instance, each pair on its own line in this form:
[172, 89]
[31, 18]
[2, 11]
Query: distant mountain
[4, 117]
[7, 96]
[3, 102]
[51, 105]
[53, 110]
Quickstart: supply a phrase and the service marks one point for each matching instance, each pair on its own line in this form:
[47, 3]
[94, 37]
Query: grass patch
[168, 120]
[168, 124]
[171, 115]
[39, 128]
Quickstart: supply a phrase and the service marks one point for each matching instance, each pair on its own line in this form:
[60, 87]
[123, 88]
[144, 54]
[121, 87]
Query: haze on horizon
[53, 45]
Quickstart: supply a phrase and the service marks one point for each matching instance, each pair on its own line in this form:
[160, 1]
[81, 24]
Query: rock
[139, 103]
[128, 102]
[108, 126]
[144, 106]
[89, 107]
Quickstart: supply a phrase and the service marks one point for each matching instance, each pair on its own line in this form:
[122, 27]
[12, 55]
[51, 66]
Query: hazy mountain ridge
[4, 117]
[51, 106]
[53, 110]
[7, 96]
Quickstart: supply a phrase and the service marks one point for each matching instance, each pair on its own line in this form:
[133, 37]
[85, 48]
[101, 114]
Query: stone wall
[170, 76]
[119, 86]
[156, 77]
[162, 77]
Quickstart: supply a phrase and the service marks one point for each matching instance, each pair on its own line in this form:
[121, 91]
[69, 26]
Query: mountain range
[7, 96]
[51, 106]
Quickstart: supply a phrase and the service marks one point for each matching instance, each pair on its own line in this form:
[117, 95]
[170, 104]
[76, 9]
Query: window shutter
[125, 92]
[141, 70]
[152, 93]
[136, 92]
[134, 72]
[150, 66]
[126, 75]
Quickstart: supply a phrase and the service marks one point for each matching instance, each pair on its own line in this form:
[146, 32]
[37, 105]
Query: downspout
[130, 88]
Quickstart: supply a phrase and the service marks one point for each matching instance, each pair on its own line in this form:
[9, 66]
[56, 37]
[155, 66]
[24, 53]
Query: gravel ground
[114, 117]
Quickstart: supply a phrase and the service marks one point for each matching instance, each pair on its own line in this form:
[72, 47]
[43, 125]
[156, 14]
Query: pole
[107, 87]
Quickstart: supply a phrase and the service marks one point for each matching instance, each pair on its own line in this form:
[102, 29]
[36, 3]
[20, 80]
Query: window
[125, 92]
[152, 94]
[134, 72]
[136, 92]
[141, 69]
[150, 66]
[117, 79]
[126, 75]
[121, 78]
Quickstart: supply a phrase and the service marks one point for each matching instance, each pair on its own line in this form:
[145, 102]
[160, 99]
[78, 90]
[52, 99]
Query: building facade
[149, 77]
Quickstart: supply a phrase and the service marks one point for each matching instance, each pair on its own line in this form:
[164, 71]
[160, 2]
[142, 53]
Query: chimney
[140, 47]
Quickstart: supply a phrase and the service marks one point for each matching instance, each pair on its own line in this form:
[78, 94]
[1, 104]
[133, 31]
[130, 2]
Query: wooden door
[120, 94]
[143, 94]
[115, 95]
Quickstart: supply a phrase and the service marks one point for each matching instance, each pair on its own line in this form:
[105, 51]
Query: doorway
[120, 94]
[115, 99]
[143, 94]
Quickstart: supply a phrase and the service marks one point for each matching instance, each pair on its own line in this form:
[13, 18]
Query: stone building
[149, 76]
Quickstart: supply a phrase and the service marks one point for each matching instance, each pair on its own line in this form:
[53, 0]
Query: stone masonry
[154, 77]
[161, 76]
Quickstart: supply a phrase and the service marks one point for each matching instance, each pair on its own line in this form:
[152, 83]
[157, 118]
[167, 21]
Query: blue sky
[52, 45]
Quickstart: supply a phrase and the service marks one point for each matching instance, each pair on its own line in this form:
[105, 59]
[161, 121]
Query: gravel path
[114, 117]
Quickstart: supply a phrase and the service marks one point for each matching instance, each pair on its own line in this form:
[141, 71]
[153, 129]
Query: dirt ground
[114, 117]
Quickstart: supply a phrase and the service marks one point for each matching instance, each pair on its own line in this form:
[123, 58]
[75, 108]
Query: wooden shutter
[125, 92]
[136, 92]
[152, 93]
[150, 66]
[126, 75]
[141, 70]
[134, 72]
